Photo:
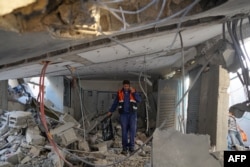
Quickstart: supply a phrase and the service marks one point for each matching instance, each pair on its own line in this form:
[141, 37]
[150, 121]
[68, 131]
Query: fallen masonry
[24, 143]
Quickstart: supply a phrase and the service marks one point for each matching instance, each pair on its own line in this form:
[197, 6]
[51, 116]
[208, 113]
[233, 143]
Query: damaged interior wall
[97, 97]
[54, 91]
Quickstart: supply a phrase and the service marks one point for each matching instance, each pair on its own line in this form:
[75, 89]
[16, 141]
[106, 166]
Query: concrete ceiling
[153, 48]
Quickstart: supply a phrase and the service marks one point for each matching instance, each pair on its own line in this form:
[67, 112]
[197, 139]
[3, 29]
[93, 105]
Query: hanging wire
[162, 8]
[184, 11]
[183, 84]
[104, 6]
[187, 9]
[72, 71]
[232, 26]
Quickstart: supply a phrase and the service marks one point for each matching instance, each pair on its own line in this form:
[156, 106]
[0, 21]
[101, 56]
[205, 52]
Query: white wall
[54, 90]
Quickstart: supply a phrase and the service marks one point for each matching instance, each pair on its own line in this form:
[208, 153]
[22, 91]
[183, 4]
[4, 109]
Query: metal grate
[193, 103]
[166, 103]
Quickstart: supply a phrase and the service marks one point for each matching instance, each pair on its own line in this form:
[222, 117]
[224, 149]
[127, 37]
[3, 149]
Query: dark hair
[126, 82]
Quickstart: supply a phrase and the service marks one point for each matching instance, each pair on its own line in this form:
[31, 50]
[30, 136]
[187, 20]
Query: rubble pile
[24, 143]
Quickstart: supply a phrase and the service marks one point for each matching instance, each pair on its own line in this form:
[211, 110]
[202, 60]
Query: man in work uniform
[126, 100]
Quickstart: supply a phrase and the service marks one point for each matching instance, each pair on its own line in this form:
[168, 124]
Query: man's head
[126, 84]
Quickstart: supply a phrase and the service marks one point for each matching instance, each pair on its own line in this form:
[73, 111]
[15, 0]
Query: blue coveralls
[128, 119]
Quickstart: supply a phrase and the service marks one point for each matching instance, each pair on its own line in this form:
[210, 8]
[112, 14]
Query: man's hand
[109, 114]
[132, 90]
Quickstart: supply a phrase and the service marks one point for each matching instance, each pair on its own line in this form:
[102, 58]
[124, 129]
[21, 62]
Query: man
[126, 100]
[233, 131]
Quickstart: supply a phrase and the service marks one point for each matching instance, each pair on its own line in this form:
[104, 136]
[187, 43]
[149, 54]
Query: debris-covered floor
[96, 141]
[24, 143]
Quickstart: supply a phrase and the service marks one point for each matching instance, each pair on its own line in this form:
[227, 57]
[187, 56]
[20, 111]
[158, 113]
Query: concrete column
[213, 108]
[3, 95]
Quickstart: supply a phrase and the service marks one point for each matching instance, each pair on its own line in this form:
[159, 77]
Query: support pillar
[3, 95]
[213, 108]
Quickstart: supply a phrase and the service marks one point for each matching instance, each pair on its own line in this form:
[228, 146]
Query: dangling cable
[183, 84]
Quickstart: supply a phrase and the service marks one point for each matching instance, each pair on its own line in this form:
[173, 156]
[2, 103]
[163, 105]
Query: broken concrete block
[11, 138]
[5, 164]
[33, 136]
[83, 145]
[15, 158]
[66, 137]
[26, 159]
[68, 118]
[102, 147]
[49, 103]
[184, 149]
[34, 151]
[56, 160]
[19, 119]
[62, 128]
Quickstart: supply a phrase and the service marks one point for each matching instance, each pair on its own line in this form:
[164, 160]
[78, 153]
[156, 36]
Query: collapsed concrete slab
[174, 149]
[64, 134]
[19, 119]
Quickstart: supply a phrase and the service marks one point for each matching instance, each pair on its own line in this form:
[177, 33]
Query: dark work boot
[131, 149]
[124, 151]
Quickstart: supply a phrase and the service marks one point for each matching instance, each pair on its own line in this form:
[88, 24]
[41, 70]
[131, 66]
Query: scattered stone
[33, 136]
[83, 145]
[141, 136]
[15, 158]
[102, 147]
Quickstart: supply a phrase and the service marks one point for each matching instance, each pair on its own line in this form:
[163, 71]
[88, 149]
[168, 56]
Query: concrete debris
[68, 118]
[23, 143]
[83, 145]
[19, 119]
[102, 147]
[55, 160]
[186, 150]
[33, 136]
[64, 134]
[5, 164]
[141, 136]
[15, 158]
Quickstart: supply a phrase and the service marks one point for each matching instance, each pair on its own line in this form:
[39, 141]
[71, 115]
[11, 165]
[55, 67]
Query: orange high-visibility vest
[121, 101]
